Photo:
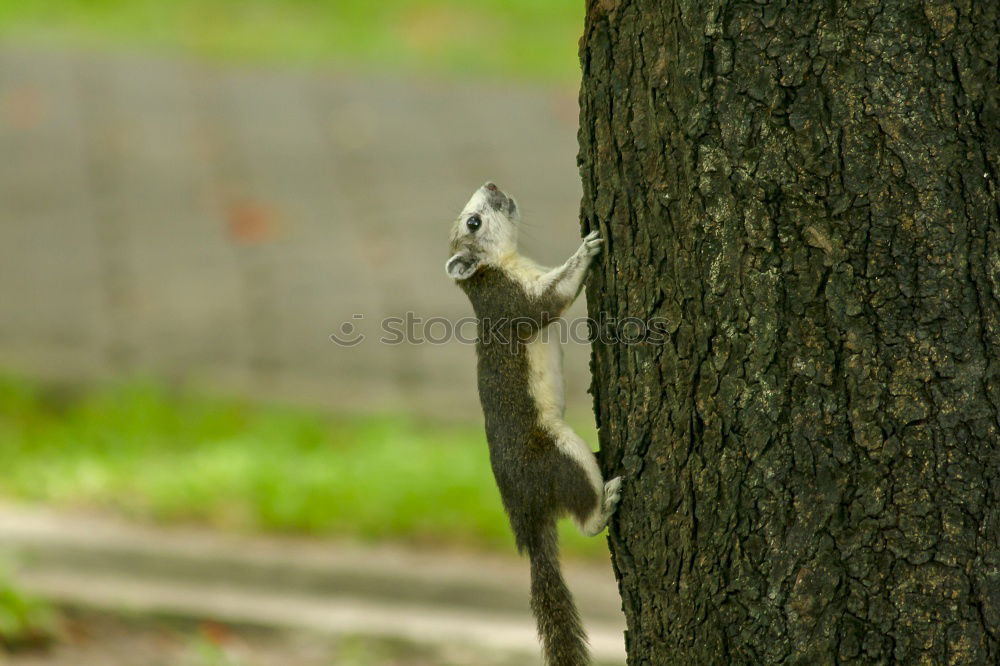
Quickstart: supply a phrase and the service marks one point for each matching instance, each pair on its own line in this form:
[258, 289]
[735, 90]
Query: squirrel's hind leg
[583, 474]
[597, 520]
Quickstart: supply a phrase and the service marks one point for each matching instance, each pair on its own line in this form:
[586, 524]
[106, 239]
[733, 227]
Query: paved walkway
[444, 599]
[215, 225]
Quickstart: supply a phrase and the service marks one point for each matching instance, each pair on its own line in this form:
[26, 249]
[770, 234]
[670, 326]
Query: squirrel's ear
[461, 266]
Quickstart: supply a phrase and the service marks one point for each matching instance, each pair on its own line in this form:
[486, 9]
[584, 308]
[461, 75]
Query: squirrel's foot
[612, 494]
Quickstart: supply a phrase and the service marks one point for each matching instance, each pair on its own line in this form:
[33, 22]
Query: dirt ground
[99, 639]
[137, 583]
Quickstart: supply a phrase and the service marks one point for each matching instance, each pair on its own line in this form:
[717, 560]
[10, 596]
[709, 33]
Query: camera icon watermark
[349, 335]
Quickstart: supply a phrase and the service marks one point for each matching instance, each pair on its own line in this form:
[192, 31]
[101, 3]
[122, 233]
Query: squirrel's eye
[474, 222]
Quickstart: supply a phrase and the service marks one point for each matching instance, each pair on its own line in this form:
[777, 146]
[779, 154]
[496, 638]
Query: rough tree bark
[807, 194]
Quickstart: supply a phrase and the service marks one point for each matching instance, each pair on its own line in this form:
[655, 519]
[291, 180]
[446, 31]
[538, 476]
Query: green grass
[511, 38]
[25, 622]
[139, 451]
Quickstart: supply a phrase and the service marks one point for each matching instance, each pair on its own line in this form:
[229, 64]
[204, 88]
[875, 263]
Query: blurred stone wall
[214, 225]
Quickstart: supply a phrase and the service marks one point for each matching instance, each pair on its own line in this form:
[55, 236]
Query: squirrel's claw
[592, 243]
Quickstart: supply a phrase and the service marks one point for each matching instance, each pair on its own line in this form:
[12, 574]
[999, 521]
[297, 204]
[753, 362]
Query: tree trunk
[805, 194]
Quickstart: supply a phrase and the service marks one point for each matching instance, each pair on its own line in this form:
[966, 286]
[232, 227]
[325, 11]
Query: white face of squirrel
[484, 233]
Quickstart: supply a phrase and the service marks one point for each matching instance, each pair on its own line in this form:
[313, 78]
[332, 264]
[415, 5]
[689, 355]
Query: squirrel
[543, 469]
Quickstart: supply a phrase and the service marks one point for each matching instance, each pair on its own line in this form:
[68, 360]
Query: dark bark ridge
[808, 194]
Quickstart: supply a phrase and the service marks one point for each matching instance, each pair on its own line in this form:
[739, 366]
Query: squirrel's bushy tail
[564, 641]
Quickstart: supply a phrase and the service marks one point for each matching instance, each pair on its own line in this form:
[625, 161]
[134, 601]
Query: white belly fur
[545, 380]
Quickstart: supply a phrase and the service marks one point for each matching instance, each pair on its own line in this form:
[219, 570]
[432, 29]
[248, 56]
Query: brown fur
[543, 470]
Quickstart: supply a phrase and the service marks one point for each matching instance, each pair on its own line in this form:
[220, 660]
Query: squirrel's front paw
[592, 243]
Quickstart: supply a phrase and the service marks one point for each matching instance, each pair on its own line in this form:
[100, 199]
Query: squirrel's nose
[491, 187]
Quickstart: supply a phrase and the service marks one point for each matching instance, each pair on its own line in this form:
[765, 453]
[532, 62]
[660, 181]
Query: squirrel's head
[484, 233]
